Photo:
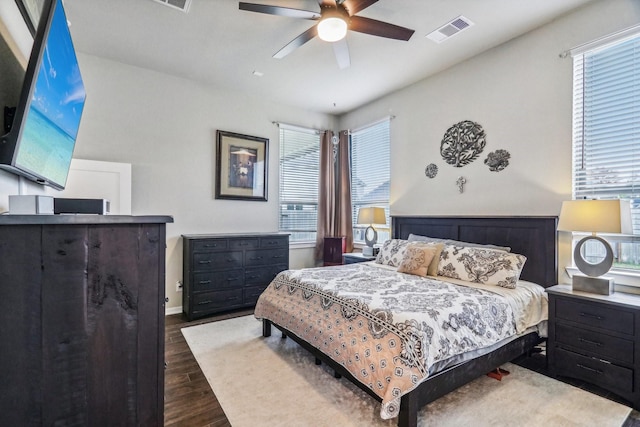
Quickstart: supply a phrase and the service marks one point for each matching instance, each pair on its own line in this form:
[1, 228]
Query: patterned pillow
[417, 258]
[487, 266]
[392, 252]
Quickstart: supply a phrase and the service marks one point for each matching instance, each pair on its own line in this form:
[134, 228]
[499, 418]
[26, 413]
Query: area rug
[274, 382]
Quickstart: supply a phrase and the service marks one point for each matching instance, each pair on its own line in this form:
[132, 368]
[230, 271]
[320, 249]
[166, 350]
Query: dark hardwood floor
[189, 400]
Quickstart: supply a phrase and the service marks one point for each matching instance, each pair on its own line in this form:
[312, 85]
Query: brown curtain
[343, 224]
[326, 193]
[334, 194]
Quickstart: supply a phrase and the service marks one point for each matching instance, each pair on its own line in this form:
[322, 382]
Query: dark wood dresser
[228, 271]
[82, 315]
[596, 338]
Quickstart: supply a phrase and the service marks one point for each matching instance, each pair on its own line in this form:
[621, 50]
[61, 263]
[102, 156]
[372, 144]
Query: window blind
[370, 172]
[606, 124]
[299, 176]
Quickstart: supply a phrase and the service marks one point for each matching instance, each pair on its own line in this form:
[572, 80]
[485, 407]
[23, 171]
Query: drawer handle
[272, 243]
[204, 282]
[253, 277]
[278, 256]
[230, 260]
[592, 316]
[586, 368]
[256, 258]
[232, 298]
[211, 245]
[205, 302]
[597, 344]
[243, 243]
[231, 279]
[204, 262]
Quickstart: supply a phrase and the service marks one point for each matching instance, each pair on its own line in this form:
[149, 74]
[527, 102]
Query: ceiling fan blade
[297, 42]
[280, 11]
[355, 6]
[327, 3]
[341, 50]
[379, 28]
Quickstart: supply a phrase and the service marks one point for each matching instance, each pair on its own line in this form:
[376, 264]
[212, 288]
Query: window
[299, 176]
[370, 174]
[606, 134]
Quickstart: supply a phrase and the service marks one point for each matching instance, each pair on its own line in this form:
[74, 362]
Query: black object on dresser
[227, 271]
[596, 338]
[82, 313]
[355, 257]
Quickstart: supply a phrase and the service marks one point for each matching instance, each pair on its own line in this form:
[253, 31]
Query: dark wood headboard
[532, 236]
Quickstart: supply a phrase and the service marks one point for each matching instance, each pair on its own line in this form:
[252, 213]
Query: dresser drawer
[251, 294]
[217, 260]
[216, 300]
[244, 244]
[596, 315]
[262, 275]
[595, 371]
[217, 279]
[274, 242]
[210, 245]
[604, 346]
[266, 257]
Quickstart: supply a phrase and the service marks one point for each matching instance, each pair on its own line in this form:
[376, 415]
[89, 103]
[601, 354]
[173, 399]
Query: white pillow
[392, 252]
[487, 266]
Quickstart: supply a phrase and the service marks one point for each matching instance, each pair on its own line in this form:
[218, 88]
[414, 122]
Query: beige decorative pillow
[417, 258]
[487, 266]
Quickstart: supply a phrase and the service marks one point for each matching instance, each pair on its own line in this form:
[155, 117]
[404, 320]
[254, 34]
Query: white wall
[520, 92]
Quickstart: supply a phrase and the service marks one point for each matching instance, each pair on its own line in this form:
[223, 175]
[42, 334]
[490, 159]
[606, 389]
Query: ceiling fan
[334, 19]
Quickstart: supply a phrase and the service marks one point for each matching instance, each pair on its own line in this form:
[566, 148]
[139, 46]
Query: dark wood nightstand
[596, 338]
[355, 257]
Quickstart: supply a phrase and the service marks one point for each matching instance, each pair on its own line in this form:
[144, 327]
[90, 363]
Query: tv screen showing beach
[51, 125]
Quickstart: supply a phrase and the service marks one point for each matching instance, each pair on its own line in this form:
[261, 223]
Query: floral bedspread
[386, 328]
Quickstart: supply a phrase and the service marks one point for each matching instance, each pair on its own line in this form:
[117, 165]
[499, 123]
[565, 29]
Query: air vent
[450, 29]
[182, 5]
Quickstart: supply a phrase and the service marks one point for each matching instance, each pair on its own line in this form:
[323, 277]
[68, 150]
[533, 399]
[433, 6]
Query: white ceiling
[217, 44]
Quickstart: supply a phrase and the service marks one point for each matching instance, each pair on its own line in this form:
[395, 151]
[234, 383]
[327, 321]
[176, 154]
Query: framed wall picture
[241, 166]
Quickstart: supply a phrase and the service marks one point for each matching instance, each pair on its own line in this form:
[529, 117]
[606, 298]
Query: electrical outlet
[178, 286]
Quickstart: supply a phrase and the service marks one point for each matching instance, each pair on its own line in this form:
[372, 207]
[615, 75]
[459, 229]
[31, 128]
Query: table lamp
[595, 216]
[370, 216]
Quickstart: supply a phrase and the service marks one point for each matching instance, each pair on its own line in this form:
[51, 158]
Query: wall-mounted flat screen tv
[45, 125]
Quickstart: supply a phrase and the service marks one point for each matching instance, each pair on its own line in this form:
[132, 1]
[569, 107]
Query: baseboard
[172, 310]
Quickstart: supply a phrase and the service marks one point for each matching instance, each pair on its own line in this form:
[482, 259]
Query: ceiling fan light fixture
[332, 28]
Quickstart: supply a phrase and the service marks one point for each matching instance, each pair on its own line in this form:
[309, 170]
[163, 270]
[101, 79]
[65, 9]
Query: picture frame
[241, 166]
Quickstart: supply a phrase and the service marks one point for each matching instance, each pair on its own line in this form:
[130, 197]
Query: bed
[394, 355]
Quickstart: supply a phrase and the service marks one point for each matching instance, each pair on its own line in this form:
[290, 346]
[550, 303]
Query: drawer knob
[586, 368]
[591, 316]
[597, 344]
[205, 302]
[205, 262]
[204, 282]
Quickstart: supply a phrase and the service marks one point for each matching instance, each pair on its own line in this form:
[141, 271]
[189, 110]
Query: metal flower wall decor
[431, 170]
[497, 160]
[462, 143]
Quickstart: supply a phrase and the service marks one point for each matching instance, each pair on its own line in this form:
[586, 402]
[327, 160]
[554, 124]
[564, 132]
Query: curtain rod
[601, 41]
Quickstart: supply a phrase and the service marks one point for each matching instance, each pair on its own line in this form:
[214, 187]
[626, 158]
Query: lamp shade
[372, 216]
[596, 216]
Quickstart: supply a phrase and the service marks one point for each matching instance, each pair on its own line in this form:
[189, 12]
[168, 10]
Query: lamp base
[594, 285]
[367, 250]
